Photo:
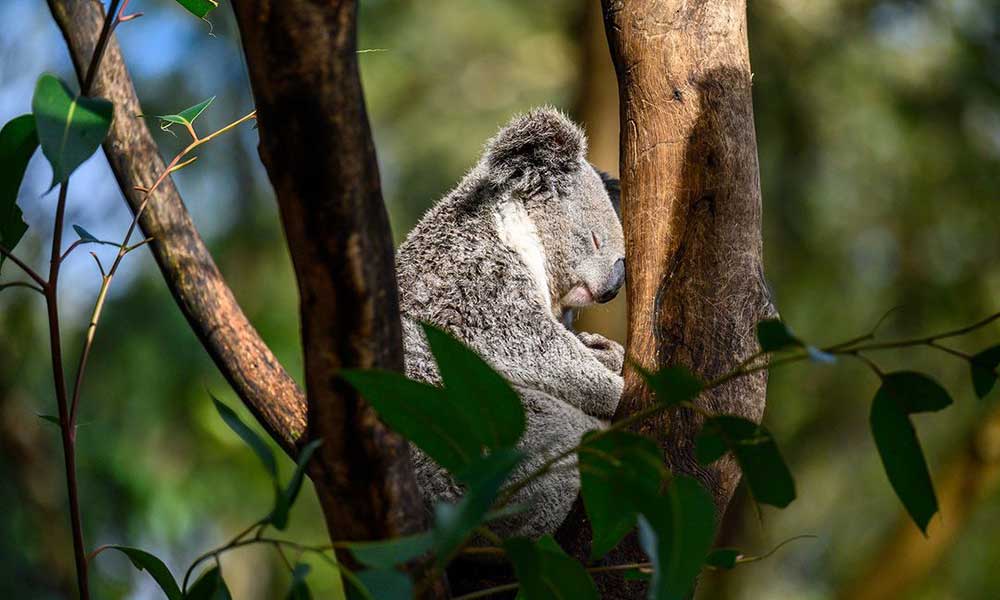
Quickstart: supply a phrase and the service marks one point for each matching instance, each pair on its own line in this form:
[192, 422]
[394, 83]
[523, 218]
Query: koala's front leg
[608, 352]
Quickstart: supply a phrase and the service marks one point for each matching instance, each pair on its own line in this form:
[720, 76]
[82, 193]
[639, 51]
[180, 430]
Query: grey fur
[496, 263]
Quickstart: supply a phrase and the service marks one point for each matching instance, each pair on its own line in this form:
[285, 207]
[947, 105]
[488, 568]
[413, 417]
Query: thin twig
[24, 267]
[24, 284]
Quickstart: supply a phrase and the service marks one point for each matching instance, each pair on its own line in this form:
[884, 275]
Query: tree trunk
[691, 210]
[316, 144]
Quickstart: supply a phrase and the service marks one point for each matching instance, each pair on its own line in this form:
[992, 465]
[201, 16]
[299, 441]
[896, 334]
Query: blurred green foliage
[878, 126]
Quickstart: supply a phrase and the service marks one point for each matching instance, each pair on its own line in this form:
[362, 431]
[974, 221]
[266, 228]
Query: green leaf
[199, 8]
[285, 499]
[84, 234]
[249, 436]
[51, 419]
[608, 462]
[984, 370]
[70, 127]
[18, 141]
[379, 584]
[773, 335]
[637, 575]
[210, 586]
[454, 522]
[672, 385]
[676, 532]
[422, 413]
[754, 449]
[144, 561]
[723, 558]
[491, 405]
[386, 554]
[903, 393]
[546, 572]
[299, 589]
[188, 115]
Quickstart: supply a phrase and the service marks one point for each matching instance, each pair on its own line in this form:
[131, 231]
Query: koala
[527, 236]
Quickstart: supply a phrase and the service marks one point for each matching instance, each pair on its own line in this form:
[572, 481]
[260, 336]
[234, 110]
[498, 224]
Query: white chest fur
[518, 231]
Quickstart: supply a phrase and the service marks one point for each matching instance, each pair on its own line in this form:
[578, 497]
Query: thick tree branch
[316, 144]
[194, 279]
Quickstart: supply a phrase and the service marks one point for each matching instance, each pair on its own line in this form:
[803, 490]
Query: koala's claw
[610, 353]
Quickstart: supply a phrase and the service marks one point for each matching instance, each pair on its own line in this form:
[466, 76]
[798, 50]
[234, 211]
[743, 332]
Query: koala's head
[540, 160]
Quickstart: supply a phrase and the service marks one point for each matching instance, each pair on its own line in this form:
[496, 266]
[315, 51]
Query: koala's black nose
[615, 282]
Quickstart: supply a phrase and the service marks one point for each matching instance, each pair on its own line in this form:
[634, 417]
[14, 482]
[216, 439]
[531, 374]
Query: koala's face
[583, 241]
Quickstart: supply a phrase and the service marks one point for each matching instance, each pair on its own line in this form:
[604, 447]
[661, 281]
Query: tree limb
[316, 144]
[194, 280]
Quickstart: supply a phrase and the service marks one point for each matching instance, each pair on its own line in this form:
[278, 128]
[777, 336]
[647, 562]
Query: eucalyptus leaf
[51, 419]
[984, 370]
[84, 234]
[723, 558]
[70, 127]
[903, 393]
[677, 532]
[299, 589]
[379, 584]
[249, 436]
[285, 499]
[210, 586]
[453, 523]
[672, 385]
[144, 561]
[608, 462]
[773, 335]
[755, 450]
[492, 406]
[421, 413]
[188, 115]
[199, 8]
[18, 141]
[546, 572]
[386, 554]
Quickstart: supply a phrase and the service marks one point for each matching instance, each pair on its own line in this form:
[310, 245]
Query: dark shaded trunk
[316, 144]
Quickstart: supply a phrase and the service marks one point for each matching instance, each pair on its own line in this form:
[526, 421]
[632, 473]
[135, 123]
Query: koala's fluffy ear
[538, 147]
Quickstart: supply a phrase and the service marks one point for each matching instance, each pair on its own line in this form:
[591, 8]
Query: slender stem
[23, 284]
[88, 343]
[624, 567]
[951, 351]
[102, 43]
[24, 267]
[509, 587]
[67, 430]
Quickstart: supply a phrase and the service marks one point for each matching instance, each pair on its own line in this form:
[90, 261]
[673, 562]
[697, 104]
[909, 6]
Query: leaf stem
[24, 267]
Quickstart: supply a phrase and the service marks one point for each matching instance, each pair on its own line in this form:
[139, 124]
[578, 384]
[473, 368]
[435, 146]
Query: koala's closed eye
[597, 240]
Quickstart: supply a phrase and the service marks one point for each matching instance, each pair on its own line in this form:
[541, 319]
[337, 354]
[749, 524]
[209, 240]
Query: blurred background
[878, 125]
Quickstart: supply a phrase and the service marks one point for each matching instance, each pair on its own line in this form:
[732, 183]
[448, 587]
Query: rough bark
[691, 210]
[194, 280]
[906, 556]
[316, 144]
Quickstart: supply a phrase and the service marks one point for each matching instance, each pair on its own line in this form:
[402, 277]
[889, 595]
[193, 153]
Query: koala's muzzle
[615, 282]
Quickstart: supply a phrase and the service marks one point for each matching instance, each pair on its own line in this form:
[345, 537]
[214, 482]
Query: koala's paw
[609, 352]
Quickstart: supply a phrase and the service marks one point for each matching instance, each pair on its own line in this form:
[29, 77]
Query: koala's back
[468, 268]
